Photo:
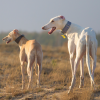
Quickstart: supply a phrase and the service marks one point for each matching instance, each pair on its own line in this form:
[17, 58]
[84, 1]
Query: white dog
[81, 40]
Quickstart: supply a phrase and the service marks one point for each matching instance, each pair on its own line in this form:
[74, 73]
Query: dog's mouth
[8, 41]
[52, 30]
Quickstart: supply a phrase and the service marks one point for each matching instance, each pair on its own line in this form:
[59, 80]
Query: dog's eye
[52, 21]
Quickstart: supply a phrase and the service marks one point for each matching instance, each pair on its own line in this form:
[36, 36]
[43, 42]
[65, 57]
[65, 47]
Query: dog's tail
[35, 62]
[88, 57]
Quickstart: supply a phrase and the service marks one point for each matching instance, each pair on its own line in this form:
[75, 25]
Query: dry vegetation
[55, 76]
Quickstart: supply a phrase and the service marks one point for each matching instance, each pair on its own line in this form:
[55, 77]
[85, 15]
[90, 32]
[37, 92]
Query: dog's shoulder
[31, 42]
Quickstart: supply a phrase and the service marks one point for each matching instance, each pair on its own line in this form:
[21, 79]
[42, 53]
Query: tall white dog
[81, 40]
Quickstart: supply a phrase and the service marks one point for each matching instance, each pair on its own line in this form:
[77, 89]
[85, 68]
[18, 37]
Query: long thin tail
[87, 53]
[87, 57]
[35, 61]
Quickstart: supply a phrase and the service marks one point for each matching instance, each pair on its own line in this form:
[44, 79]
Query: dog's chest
[73, 37]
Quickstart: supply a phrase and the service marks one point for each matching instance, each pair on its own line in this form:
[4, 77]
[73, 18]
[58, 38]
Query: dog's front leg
[71, 49]
[74, 76]
[79, 56]
[23, 77]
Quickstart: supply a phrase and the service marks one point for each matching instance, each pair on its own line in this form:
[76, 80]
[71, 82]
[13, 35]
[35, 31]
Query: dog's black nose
[43, 27]
[3, 39]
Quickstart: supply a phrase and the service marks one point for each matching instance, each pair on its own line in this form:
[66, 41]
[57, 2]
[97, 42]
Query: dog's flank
[82, 40]
[30, 52]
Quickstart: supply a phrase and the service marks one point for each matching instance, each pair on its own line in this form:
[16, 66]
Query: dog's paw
[23, 87]
[80, 86]
[81, 82]
[70, 90]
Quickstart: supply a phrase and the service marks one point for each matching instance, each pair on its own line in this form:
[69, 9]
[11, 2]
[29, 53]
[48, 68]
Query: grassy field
[55, 76]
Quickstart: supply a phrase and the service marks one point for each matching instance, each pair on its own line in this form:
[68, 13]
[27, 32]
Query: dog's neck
[22, 41]
[18, 39]
[72, 29]
[66, 27]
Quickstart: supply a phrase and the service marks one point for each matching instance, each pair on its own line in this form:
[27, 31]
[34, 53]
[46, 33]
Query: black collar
[67, 26]
[19, 38]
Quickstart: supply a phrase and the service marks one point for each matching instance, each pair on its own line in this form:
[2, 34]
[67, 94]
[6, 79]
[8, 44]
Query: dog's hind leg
[93, 69]
[39, 72]
[35, 67]
[79, 54]
[94, 59]
[39, 63]
[30, 71]
[23, 77]
[81, 73]
[88, 58]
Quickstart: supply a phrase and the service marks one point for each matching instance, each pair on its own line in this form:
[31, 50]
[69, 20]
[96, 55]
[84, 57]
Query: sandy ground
[55, 77]
[47, 93]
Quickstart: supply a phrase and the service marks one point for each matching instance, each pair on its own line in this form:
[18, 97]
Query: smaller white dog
[30, 52]
[81, 40]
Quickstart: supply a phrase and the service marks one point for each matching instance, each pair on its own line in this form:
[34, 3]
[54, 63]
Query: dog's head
[55, 23]
[11, 36]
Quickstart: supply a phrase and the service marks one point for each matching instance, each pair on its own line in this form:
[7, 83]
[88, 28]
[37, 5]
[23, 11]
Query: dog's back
[32, 48]
[32, 45]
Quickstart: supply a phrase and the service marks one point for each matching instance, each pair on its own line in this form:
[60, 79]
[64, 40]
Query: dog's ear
[62, 17]
[15, 31]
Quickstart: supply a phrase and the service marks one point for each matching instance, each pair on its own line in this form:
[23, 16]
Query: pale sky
[31, 15]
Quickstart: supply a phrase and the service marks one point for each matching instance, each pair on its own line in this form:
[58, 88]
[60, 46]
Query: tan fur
[30, 52]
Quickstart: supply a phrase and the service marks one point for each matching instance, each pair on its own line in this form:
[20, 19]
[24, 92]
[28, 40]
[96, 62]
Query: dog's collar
[67, 26]
[19, 38]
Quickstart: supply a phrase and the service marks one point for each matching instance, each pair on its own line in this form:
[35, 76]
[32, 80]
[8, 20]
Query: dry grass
[79, 94]
[56, 74]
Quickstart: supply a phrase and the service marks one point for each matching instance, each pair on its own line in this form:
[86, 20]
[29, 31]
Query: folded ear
[15, 31]
[62, 17]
